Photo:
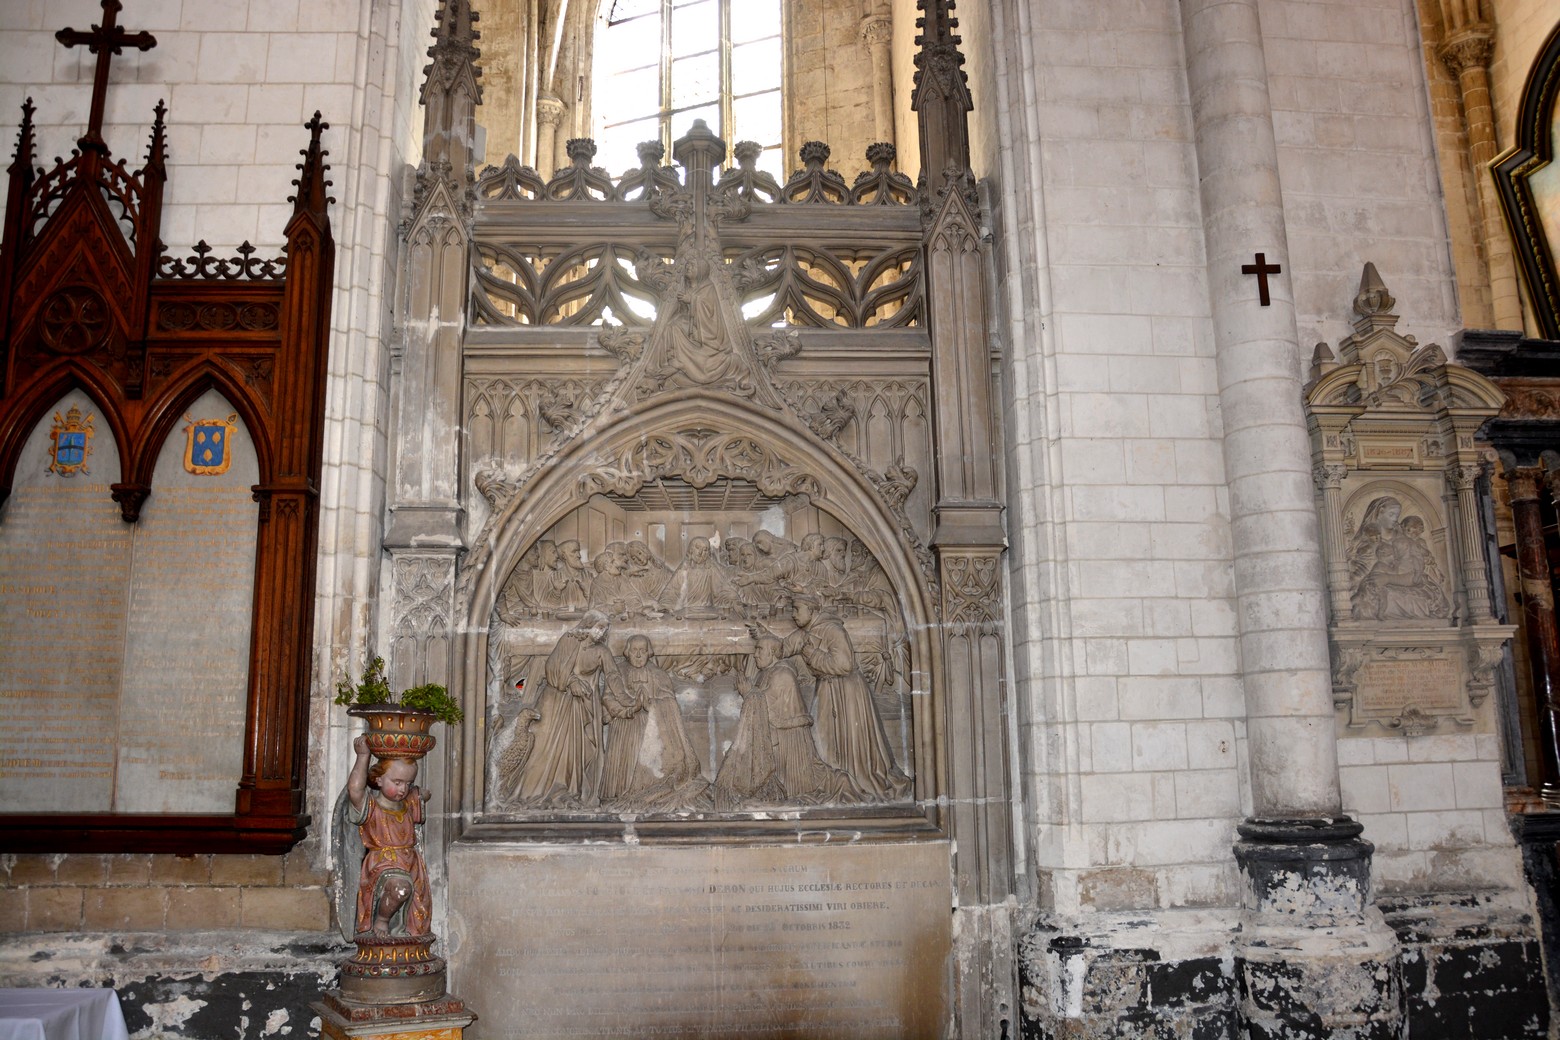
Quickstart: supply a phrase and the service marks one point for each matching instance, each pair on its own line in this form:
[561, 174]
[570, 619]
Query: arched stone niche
[621, 590]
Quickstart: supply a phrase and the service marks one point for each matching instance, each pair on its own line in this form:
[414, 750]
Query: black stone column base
[1314, 959]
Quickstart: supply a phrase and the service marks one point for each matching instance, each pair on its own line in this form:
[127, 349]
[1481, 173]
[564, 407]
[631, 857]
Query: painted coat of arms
[207, 450]
[70, 443]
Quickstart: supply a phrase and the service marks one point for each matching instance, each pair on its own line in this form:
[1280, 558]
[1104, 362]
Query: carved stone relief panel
[1393, 424]
[1397, 564]
[697, 649]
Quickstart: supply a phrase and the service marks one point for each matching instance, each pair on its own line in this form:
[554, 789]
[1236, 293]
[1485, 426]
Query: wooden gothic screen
[160, 447]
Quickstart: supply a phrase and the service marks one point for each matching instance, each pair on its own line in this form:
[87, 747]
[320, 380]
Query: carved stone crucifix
[104, 40]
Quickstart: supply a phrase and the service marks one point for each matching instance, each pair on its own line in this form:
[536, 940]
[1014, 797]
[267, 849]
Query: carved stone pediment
[1393, 427]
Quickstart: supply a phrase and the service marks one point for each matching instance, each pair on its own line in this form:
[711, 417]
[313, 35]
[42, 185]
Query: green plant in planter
[374, 688]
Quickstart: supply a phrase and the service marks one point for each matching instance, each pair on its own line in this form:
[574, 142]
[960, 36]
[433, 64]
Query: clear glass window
[660, 64]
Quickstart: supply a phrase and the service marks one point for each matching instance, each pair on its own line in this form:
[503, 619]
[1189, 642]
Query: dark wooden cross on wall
[1262, 269]
[105, 41]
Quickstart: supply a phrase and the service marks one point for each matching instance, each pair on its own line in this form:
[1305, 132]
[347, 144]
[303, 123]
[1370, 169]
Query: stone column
[877, 33]
[549, 116]
[1538, 609]
[1466, 52]
[1463, 478]
[1278, 560]
[1304, 865]
[1329, 478]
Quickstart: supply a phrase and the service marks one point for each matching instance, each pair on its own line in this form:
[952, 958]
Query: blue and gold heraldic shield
[208, 445]
[70, 442]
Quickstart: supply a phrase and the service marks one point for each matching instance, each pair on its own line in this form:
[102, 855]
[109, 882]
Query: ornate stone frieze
[1393, 423]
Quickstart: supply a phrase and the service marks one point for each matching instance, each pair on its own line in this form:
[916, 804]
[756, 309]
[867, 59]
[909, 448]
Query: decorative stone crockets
[1414, 643]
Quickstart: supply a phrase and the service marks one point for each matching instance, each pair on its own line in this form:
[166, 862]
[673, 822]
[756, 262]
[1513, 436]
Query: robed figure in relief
[650, 761]
[563, 767]
[1393, 570]
[851, 737]
[773, 760]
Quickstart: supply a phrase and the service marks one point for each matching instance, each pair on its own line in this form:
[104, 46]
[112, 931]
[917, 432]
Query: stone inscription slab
[1433, 685]
[64, 562]
[821, 942]
[124, 647]
[186, 673]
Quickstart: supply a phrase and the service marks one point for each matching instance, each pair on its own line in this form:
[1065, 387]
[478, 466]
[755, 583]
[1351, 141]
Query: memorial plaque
[124, 660]
[64, 561]
[1392, 687]
[800, 941]
[181, 715]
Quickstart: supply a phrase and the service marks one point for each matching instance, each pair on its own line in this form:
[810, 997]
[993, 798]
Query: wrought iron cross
[1262, 269]
[105, 41]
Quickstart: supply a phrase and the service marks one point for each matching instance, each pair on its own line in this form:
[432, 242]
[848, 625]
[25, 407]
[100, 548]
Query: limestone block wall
[829, 81]
[151, 893]
[194, 945]
[1357, 159]
[1434, 807]
[240, 79]
[1124, 628]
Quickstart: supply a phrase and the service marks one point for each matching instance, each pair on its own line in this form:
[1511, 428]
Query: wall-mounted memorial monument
[1415, 644]
[160, 425]
[716, 570]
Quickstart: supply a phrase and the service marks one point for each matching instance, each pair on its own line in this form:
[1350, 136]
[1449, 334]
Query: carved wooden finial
[24, 139]
[105, 41]
[157, 146]
[311, 182]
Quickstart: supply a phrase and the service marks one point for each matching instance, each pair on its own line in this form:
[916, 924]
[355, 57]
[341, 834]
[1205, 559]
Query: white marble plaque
[808, 941]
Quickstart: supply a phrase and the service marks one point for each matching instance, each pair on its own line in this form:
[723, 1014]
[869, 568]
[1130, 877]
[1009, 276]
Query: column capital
[1462, 475]
[1329, 475]
[1467, 48]
[549, 109]
[877, 30]
[1522, 482]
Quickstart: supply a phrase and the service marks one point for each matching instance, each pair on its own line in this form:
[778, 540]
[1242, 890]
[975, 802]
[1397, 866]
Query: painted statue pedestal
[443, 1019]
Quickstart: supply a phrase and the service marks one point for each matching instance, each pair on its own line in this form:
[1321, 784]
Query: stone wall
[1124, 621]
[829, 82]
[1359, 170]
[194, 945]
[150, 893]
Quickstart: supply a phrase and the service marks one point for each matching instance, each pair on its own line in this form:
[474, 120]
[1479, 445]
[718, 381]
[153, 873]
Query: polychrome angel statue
[378, 817]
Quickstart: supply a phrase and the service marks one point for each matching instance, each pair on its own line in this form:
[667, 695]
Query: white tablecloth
[61, 1014]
